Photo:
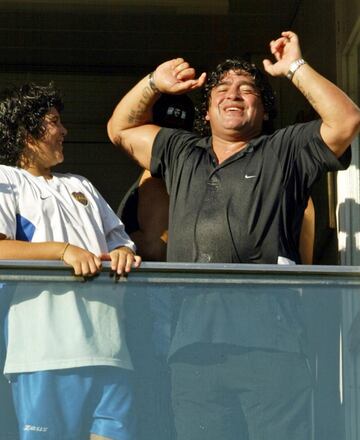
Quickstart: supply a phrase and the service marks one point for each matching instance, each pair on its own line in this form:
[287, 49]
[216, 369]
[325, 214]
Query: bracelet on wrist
[63, 251]
[294, 66]
[152, 83]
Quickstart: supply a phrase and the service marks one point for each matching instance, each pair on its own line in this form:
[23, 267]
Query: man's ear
[207, 116]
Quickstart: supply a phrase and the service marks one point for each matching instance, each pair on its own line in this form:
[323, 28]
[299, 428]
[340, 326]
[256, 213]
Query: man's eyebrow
[223, 81]
[248, 82]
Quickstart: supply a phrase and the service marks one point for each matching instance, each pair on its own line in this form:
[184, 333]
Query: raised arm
[340, 115]
[129, 127]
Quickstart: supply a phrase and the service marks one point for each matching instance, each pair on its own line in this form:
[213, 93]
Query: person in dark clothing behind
[238, 196]
[145, 208]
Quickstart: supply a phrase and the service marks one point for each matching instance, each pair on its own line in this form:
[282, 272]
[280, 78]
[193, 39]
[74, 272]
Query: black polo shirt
[249, 208]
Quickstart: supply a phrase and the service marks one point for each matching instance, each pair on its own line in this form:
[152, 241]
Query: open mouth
[233, 109]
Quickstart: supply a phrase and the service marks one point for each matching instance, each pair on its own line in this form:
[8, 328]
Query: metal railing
[324, 292]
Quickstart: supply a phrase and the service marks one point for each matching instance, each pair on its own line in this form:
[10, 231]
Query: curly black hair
[202, 126]
[22, 112]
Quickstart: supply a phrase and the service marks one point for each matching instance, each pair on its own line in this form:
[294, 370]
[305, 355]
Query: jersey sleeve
[8, 205]
[114, 229]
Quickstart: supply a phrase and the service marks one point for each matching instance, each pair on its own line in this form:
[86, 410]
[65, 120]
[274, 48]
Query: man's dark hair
[22, 112]
[202, 126]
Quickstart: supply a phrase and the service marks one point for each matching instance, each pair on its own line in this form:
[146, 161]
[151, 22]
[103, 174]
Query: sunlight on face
[47, 151]
[236, 108]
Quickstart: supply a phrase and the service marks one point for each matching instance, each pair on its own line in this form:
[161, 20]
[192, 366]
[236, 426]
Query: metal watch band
[294, 67]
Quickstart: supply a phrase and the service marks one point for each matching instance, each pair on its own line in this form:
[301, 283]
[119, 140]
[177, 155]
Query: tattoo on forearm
[307, 95]
[138, 115]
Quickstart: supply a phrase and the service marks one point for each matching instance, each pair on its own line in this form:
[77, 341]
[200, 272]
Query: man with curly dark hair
[261, 83]
[238, 196]
[70, 379]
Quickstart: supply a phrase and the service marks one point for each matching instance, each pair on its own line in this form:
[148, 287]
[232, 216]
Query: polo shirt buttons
[214, 181]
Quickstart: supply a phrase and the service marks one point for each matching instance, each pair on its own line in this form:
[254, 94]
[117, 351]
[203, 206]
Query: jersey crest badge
[80, 197]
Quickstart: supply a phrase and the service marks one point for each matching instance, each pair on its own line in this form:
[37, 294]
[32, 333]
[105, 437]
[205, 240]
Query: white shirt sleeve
[113, 227]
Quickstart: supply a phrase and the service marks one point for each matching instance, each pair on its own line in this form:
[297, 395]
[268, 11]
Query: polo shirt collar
[206, 143]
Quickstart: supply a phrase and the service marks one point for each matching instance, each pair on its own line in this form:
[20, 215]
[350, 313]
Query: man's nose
[63, 130]
[234, 93]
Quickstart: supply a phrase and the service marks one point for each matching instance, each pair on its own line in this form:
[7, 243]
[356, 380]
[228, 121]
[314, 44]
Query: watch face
[294, 67]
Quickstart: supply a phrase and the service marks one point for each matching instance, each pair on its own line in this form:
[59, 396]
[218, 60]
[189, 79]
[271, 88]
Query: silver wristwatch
[294, 67]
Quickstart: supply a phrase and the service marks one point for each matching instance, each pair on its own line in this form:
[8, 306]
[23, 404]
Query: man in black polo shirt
[238, 369]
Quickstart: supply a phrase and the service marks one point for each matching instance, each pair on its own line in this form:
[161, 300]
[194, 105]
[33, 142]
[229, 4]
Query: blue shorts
[70, 404]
